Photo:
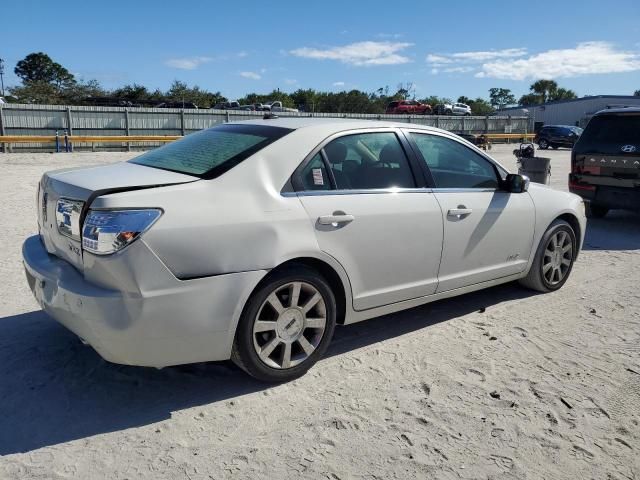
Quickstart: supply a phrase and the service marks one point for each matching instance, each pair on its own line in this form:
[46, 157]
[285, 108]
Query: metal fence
[19, 119]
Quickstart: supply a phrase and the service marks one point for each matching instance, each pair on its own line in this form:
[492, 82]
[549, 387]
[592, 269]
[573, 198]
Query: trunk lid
[64, 197]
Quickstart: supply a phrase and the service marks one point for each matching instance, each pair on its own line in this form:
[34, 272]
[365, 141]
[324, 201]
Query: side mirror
[516, 183]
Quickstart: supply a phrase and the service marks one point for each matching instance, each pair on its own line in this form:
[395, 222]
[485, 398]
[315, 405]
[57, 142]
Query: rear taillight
[107, 231]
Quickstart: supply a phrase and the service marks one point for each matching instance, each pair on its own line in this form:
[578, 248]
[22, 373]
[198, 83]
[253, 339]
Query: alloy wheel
[557, 259]
[289, 325]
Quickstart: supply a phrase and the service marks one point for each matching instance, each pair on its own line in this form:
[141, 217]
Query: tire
[265, 337]
[543, 144]
[448, 112]
[548, 260]
[596, 211]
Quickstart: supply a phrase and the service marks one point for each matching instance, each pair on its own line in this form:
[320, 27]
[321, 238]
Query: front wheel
[286, 325]
[543, 144]
[554, 258]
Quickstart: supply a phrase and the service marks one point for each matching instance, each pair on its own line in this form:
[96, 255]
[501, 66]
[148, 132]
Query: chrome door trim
[390, 191]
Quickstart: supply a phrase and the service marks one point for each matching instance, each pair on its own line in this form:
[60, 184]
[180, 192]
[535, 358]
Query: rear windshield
[609, 133]
[209, 153]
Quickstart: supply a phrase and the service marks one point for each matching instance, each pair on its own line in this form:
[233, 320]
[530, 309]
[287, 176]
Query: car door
[365, 197]
[488, 232]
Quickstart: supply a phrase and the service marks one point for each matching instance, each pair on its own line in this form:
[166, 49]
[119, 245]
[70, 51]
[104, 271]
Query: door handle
[459, 212]
[335, 219]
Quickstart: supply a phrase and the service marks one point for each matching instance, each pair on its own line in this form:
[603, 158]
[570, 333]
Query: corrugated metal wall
[575, 112]
[20, 119]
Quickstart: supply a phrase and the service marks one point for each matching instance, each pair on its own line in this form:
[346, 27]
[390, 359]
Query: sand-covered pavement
[500, 384]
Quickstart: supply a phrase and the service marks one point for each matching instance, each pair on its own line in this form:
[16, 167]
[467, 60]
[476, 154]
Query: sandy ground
[497, 384]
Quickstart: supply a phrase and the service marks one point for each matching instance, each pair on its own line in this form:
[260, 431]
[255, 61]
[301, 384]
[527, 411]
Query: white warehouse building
[569, 112]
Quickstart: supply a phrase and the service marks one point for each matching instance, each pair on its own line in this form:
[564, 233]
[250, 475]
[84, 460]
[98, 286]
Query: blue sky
[444, 48]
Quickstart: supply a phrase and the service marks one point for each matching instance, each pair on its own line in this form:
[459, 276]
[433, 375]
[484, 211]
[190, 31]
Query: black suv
[557, 136]
[605, 163]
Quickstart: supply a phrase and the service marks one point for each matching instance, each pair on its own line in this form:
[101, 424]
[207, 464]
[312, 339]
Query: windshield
[209, 153]
[609, 133]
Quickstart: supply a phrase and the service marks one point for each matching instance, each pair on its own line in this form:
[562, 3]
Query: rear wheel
[543, 144]
[554, 258]
[286, 325]
[596, 211]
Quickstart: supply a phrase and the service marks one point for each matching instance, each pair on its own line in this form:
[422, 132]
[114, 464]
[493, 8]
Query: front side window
[209, 153]
[454, 165]
[369, 161]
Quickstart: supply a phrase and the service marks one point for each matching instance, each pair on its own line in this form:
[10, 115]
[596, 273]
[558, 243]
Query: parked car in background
[605, 162]
[452, 109]
[2, 100]
[252, 240]
[556, 136]
[250, 108]
[225, 105]
[409, 107]
[276, 106]
[176, 105]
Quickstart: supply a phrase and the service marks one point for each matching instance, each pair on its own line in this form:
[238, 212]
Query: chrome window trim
[376, 191]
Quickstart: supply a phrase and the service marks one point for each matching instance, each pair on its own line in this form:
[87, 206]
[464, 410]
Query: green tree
[37, 92]
[78, 92]
[546, 91]
[479, 106]
[530, 99]
[181, 92]
[39, 67]
[636, 93]
[501, 97]
[563, 94]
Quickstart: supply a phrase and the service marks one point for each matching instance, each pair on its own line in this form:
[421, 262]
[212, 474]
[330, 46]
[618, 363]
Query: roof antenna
[269, 116]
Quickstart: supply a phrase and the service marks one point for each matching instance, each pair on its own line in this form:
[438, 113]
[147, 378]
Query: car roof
[617, 110]
[338, 124]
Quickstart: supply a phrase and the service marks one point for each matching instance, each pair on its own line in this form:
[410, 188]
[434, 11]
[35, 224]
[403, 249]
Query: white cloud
[290, 81]
[338, 84]
[251, 75]
[242, 54]
[359, 53]
[458, 69]
[187, 63]
[479, 56]
[438, 59]
[586, 58]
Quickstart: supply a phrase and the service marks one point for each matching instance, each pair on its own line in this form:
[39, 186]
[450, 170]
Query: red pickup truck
[409, 107]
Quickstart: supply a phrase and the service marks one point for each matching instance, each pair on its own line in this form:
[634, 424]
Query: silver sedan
[253, 240]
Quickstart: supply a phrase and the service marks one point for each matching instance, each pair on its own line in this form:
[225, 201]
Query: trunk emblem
[628, 148]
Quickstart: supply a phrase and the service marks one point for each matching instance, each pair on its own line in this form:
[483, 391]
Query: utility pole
[2, 75]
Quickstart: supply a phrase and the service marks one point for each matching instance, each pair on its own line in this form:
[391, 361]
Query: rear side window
[314, 175]
[209, 153]
[609, 133]
[454, 165]
[369, 161]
